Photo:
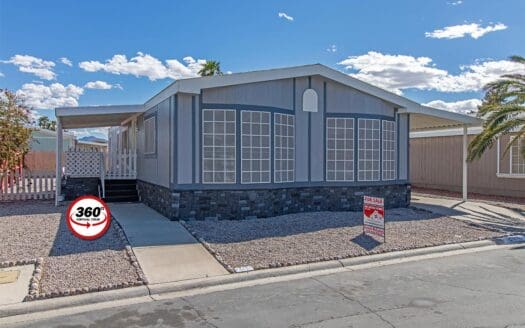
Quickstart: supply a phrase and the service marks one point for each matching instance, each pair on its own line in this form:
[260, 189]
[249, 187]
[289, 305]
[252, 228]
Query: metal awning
[96, 116]
[424, 118]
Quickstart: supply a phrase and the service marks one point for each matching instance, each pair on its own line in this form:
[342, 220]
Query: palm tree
[210, 68]
[503, 110]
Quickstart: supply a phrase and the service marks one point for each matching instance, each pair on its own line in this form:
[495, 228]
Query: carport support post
[465, 175]
[58, 182]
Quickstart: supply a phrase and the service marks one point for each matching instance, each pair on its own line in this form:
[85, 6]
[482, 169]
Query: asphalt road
[485, 289]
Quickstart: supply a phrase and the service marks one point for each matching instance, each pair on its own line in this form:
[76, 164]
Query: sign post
[374, 216]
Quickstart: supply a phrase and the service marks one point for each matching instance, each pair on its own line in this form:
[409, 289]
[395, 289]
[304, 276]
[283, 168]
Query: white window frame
[152, 151]
[225, 159]
[385, 151]
[250, 148]
[498, 159]
[281, 148]
[335, 149]
[359, 169]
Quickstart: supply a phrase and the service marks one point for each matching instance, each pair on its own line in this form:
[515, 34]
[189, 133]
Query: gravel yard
[311, 237]
[31, 230]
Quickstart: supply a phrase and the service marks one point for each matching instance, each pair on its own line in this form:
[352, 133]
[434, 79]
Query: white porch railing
[25, 185]
[122, 165]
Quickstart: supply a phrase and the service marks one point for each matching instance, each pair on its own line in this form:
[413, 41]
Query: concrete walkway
[166, 251]
[485, 214]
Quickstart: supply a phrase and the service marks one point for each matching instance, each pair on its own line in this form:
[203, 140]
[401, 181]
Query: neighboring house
[263, 143]
[92, 143]
[42, 150]
[435, 163]
[43, 140]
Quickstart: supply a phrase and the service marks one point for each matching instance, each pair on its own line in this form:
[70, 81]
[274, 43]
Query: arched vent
[310, 101]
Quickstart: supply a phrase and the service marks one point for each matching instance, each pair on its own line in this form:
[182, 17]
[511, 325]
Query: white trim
[225, 110]
[335, 119]
[465, 167]
[444, 133]
[146, 152]
[251, 146]
[511, 175]
[98, 110]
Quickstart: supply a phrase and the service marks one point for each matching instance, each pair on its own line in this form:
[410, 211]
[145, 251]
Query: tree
[45, 123]
[14, 131]
[503, 110]
[210, 68]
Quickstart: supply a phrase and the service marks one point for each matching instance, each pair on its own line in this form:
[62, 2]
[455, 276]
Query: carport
[81, 165]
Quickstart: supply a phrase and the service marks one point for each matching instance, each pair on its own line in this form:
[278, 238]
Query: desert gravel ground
[310, 237]
[29, 230]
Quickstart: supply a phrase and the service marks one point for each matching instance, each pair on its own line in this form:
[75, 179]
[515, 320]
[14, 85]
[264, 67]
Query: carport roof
[96, 116]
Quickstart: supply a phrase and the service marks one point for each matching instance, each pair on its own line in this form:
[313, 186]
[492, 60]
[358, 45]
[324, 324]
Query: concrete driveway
[166, 251]
[485, 214]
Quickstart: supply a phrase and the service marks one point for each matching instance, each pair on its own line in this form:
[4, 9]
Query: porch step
[121, 191]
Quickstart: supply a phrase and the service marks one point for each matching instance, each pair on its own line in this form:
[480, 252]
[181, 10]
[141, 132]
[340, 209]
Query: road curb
[70, 301]
[179, 286]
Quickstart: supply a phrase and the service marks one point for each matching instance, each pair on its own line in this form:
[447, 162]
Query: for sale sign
[374, 216]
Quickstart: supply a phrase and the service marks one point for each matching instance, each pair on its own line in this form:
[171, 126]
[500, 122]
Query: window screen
[369, 147]
[517, 162]
[284, 147]
[389, 150]
[150, 142]
[339, 149]
[255, 147]
[218, 146]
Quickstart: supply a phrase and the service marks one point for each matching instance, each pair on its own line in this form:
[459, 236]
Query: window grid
[255, 147]
[517, 162]
[284, 148]
[339, 149]
[389, 150]
[369, 148]
[218, 146]
[149, 135]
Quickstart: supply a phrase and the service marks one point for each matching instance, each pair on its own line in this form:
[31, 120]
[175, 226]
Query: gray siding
[272, 93]
[403, 146]
[155, 168]
[342, 99]
[184, 138]
[179, 161]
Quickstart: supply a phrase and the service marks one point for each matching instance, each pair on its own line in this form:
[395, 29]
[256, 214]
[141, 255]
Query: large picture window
[369, 147]
[517, 162]
[389, 150]
[255, 147]
[339, 149]
[218, 146]
[150, 135]
[284, 147]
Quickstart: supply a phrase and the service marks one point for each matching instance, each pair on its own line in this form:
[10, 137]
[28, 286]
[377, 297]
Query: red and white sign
[88, 217]
[374, 216]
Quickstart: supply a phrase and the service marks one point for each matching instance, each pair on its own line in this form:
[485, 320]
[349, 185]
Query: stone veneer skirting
[260, 203]
[76, 187]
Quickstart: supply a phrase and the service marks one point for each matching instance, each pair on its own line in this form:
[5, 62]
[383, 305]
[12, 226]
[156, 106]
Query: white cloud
[66, 61]
[101, 85]
[33, 65]
[455, 3]
[459, 31]
[332, 48]
[40, 96]
[147, 66]
[467, 106]
[398, 72]
[2, 74]
[285, 16]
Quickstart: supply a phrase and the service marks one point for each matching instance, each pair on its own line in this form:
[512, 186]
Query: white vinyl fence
[25, 185]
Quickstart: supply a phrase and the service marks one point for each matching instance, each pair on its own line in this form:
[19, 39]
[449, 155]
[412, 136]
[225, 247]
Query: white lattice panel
[84, 164]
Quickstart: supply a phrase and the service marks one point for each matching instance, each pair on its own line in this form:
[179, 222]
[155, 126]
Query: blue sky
[438, 52]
